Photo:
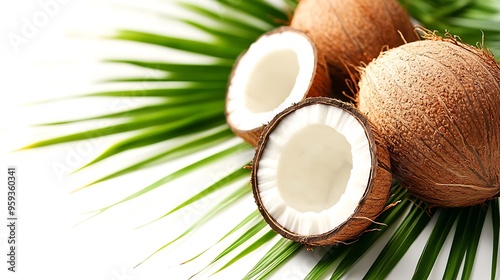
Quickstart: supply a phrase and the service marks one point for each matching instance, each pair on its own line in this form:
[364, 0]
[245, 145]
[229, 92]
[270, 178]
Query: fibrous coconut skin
[352, 32]
[280, 68]
[366, 205]
[437, 104]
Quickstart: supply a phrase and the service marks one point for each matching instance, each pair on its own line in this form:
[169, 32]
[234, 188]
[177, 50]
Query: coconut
[320, 174]
[280, 68]
[351, 32]
[436, 102]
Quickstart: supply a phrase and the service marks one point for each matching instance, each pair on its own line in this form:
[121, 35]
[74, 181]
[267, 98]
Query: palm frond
[281, 252]
[224, 182]
[396, 247]
[226, 51]
[259, 10]
[144, 111]
[355, 251]
[250, 219]
[474, 228]
[266, 237]
[255, 229]
[156, 134]
[474, 21]
[170, 153]
[465, 242]
[216, 72]
[445, 222]
[212, 89]
[228, 19]
[229, 200]
[495, 218]
[181, 172]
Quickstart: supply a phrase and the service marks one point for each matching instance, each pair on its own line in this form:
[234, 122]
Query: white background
[61, 57]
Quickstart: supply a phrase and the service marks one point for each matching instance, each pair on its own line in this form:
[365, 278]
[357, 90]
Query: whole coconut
[437, 104]
[351, 32]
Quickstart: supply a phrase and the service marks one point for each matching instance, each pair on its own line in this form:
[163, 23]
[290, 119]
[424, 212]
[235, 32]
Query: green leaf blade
[187, 45]
[495, 220]
[224, 182]
[181, 172]
[228, 19]
[359, 248]
[242, 239]
[276, 256]
[458, 247]
[252, 247]
[230, 199]
[161, 133]
[445, 222]
[252, 218]
[214, 89]
[474, 229]
[186, 148]
[260, 10]
[396, 247]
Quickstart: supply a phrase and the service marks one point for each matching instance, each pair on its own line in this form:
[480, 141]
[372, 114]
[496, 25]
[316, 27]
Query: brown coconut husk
[351, 32]
[437, 104]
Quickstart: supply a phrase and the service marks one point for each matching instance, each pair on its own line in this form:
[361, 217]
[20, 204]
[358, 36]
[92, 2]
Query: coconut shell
[373, 201]
[320, 85]
[437, 104]
[352, 32]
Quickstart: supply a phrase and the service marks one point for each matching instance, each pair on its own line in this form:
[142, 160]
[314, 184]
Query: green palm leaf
[465, 242]
[153, 135]
[193, 46]
[217, 72]
[274, 258]
[495, 217]
[230, 199]
[250, 219]
[401, 202]
[198, 144]
[469, 19]
[259, 9]
[222, 35]
[252, 247]
[224, 182]
[396, 247]
[474, 227]
[227, 19]
[172, 103]
[182, 172]
[212, 89]
[255, 229]
[445, 222]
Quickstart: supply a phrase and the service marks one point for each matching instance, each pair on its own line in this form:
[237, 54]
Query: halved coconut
[281, 68]
[320, 175]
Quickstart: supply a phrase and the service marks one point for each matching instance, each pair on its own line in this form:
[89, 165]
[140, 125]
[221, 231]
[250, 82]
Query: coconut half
[280, 68]
[320, 175]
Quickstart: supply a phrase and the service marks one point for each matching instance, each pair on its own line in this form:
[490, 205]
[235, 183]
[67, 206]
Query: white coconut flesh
[275, 72]
[315, 169]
